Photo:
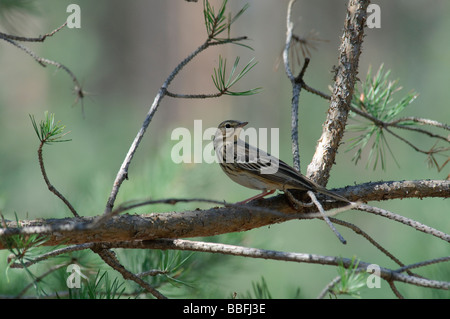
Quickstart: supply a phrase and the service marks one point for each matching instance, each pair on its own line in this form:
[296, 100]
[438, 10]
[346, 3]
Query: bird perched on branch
[251, 167]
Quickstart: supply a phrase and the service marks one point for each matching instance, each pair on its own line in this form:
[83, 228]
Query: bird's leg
[263, 194]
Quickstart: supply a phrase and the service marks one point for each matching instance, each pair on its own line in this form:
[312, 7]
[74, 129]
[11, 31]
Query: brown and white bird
[253, 168]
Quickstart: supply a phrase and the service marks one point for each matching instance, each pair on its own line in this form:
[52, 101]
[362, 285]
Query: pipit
[251, 167]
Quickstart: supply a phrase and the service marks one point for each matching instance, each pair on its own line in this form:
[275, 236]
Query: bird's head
[230, 128]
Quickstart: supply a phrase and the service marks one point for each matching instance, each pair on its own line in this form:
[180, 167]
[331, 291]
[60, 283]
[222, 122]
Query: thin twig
[294, 126]
[290, 28]
[325, 217]
[359, 231]
[395, 290]
[122, 174]
[406, 142]
[49, 185]
[123, 171]
[152, 273]
[38, 279]
[296, 88]
[53, 253]
[26, 39]
[329, 286]
[179, 244]
[394, 123]
[422, 121]
[316, 92]
[193, 96]
[423, 263]
[110, 258]
[43, 62]
[404, 220]
[419, 130]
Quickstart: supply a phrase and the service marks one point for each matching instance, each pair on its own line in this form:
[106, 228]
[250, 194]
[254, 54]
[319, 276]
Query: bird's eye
[227, 125]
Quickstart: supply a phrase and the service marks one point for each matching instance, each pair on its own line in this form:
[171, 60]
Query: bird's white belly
[251, 182]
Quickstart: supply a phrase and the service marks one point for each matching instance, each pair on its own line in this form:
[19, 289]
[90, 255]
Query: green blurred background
[123, 53]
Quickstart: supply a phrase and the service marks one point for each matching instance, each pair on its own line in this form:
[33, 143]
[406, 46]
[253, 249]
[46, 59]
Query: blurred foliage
[12, 11]
[260, 290]
[8, 7]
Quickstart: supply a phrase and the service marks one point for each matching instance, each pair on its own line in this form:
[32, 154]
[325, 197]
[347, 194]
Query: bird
[251, 167]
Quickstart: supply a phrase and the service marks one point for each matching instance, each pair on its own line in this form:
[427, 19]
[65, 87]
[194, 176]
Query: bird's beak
[242, 124]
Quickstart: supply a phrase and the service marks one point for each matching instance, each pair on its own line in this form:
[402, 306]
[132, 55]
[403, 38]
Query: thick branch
[334, 126]
[213, 221]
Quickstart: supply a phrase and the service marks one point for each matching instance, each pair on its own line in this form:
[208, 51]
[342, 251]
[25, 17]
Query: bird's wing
[275, 171]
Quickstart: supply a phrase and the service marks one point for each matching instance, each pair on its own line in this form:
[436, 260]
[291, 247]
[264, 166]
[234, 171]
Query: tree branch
[178, 244]
[217, 220]
[109, 257]
[394, 123]
[333, 128]
[123, 171]
[27, 39]
[359, 231]
[49, 185]
[297, 84]
[42, 61]
[404, 220]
